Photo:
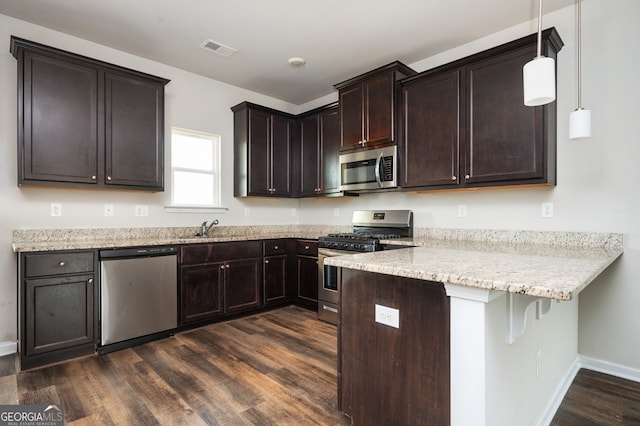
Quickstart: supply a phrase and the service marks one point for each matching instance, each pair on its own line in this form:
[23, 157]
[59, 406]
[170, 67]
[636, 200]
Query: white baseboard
[610, 368]
[8, 348]
[560, 392]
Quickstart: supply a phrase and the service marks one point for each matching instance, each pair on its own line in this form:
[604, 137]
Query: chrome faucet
[204, 228]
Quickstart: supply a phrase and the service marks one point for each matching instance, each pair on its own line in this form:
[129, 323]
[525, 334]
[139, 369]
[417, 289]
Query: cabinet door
[59, 313]
[309, 159]
[258, 167]
[280, 156]
[379, 109]
[505, 139]
[351, 117]
[308, 279]
[58, 119]
[329, 123]
[243, 284]
[275, 278]
[431, 114]
[134, 129]
[201, 292]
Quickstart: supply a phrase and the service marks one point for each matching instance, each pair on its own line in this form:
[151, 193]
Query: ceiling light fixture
[580, 119]
[539, 74]
[297, 62]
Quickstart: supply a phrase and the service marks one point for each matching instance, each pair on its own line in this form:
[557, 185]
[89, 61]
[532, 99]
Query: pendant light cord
[579, 35]
[539, 28]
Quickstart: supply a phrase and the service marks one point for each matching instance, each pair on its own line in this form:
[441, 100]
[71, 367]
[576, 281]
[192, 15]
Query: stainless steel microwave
[369, 170]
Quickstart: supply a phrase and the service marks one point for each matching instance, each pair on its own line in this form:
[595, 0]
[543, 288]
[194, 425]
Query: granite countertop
[35, 240]
[556, 265]
[550, 265]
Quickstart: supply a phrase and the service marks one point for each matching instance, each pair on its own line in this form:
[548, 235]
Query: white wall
[596, 188]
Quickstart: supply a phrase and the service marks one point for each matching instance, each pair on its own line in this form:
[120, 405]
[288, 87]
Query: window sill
[195, 209]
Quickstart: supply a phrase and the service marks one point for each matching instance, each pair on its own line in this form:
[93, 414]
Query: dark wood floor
[277, 367]
[599, 399]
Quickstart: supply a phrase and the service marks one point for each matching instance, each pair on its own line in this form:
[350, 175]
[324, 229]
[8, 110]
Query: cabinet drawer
[60, 263]
[217, 252]
[308, 247]
[275, 247]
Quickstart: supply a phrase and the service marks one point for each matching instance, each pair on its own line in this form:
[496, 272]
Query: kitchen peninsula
[443, 331]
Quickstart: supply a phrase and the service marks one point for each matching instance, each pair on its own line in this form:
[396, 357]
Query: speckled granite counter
[556, 265]
[29, 240]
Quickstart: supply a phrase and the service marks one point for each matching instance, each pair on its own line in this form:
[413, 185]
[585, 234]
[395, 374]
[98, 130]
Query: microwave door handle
[378, 163]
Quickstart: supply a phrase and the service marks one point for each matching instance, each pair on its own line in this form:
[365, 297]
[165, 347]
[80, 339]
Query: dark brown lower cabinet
[201, 292]
[218, 279]
[307, 274]
[242, 285]
[389, 375]
[276, 271]
[58, 293]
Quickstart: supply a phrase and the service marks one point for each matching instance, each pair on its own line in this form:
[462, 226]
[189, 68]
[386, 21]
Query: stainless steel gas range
[369, 228]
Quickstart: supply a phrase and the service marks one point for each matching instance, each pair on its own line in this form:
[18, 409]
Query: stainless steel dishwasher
[138, 296]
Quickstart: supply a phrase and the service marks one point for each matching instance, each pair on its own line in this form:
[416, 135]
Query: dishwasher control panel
[138, 252]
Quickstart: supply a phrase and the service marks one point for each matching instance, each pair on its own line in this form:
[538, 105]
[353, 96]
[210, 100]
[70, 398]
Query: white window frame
[215, 172]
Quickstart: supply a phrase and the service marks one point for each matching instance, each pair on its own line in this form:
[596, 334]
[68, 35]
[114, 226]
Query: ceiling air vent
[219, 48]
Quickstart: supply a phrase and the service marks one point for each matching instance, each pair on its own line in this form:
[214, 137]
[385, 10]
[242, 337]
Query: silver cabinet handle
[266, 261]
[94, 177]
[221, 266]
[330, 309]
[275, 247]
[61, 263]
[467, 176]
[306, 247]
[454, 178]
[109, 178]
[90, 281]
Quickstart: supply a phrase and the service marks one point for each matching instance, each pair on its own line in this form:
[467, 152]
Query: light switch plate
[56, 210]
[388, 316]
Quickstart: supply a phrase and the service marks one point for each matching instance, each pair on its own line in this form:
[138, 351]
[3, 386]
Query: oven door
[329, 286]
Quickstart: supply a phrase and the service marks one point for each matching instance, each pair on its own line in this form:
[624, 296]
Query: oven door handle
[378, 162]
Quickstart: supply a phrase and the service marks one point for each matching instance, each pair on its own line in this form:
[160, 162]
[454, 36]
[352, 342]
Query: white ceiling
[339, 39]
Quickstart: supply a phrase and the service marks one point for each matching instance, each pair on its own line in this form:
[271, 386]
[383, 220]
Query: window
[195, 169]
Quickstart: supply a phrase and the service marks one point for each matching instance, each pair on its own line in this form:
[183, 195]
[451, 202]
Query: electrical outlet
[142, 210]
[108, 209]
[387, 316]
[336, 212]
[294, 212]
[56, 210]
[462, 210]
[546, 210]
[247, 212]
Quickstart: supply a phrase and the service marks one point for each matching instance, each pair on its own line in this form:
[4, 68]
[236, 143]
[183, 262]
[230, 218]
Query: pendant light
[580, 119]
[539, 74]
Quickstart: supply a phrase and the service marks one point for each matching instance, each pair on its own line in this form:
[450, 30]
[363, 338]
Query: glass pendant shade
[539, 78]
[580, 124]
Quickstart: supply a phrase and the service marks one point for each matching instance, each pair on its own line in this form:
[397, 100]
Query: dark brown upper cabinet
[87, 123]
[319, 148]
[369, 106]
[465, 123]
[263, 141]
